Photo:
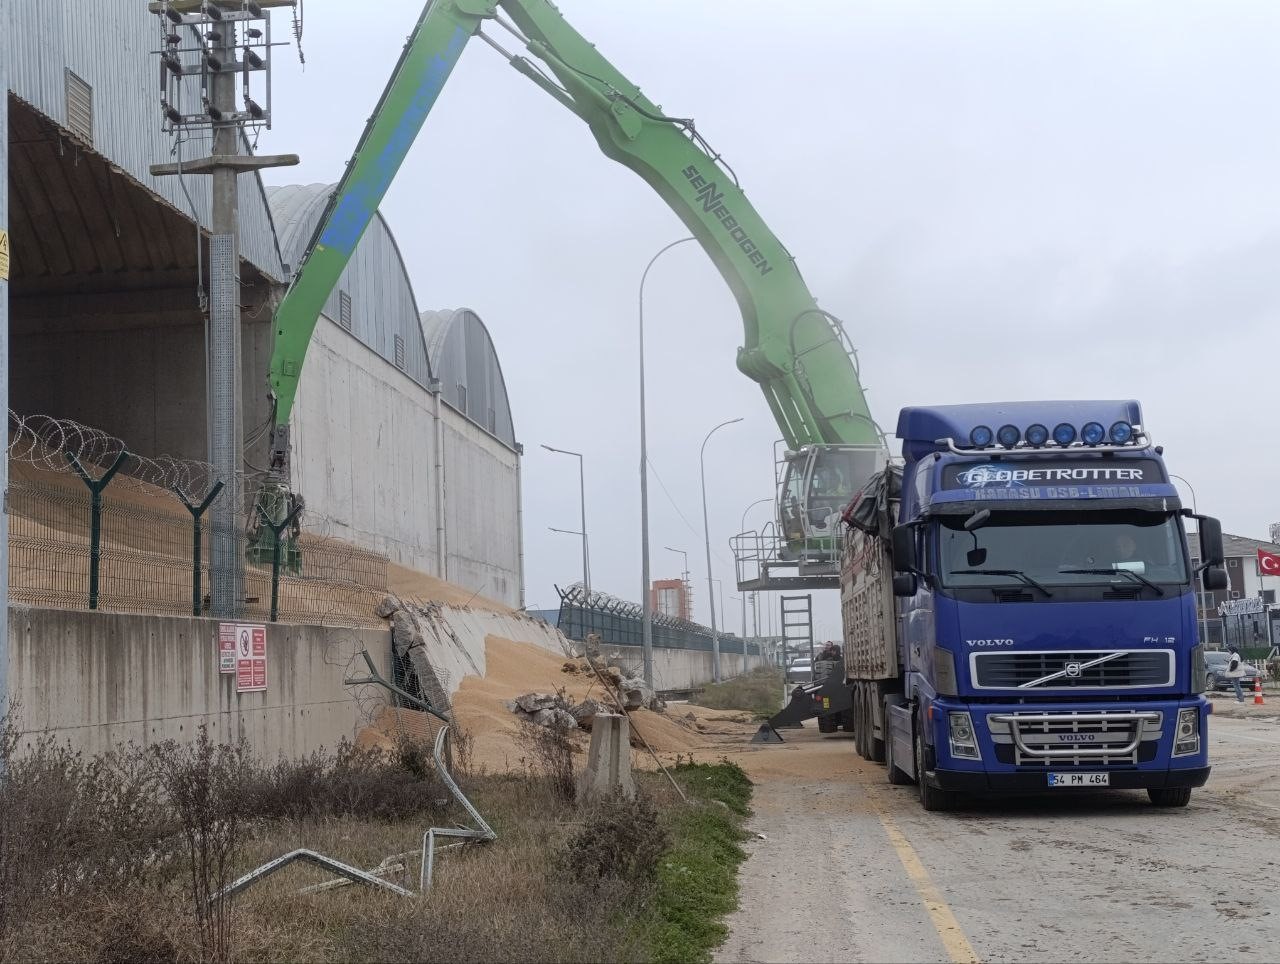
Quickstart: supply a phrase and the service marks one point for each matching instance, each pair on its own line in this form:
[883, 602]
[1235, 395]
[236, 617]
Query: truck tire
[872, 699]
[931, 798]
[859, 727]
[1170, 796]
[827, 724]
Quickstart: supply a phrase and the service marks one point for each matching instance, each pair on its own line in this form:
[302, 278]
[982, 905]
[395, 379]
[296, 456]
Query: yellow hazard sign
[4, 255]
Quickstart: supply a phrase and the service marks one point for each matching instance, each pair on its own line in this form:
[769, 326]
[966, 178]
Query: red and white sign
[227, 647]
[250, 657]
[1268, 563]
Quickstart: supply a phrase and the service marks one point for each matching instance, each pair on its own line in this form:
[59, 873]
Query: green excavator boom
[797, 353]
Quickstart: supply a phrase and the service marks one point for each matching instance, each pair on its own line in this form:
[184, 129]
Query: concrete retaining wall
[679, 669]
[101, 680]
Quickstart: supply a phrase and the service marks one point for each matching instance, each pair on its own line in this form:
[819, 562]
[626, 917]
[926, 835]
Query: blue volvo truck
[1019, 606]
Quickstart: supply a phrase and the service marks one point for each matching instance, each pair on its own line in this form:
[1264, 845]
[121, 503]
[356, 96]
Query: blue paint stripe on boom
[355, 208]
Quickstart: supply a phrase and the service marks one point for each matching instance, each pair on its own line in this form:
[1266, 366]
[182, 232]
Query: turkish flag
[1268, 563]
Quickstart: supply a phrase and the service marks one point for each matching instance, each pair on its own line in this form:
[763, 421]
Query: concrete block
[609, 762]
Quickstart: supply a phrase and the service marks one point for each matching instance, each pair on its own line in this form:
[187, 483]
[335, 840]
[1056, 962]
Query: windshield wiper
[1016, 573]
[1115, 572]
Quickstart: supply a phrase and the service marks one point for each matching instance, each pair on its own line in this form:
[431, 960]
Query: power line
[683, 517]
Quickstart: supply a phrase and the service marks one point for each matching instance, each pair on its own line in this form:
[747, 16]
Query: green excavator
[795, 351]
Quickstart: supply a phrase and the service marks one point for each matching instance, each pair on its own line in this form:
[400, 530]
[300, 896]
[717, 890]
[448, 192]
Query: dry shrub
[618, 838]
[352, 782]
[462, 760]
[207, 786]
[549, 755]
[71, 827]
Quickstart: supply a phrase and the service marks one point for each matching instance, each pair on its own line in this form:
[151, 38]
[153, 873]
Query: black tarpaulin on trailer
[869, 509]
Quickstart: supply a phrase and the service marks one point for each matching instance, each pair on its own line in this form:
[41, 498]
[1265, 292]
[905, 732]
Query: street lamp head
[552, 448]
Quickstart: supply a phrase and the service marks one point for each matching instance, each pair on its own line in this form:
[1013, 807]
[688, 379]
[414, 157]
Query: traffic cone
[1257, 691]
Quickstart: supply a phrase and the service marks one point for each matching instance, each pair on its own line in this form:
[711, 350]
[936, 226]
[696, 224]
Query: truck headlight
[964, 744]
[1186, 738]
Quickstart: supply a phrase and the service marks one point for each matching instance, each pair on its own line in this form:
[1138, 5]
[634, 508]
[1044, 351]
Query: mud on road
[852, 869]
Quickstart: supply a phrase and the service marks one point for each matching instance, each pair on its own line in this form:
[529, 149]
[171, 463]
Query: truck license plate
[1079, 779]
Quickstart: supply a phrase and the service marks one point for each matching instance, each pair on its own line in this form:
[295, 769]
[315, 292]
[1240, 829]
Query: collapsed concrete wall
[445, 643]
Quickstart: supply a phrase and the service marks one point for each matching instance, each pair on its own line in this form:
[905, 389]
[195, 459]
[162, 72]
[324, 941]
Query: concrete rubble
[544, 709]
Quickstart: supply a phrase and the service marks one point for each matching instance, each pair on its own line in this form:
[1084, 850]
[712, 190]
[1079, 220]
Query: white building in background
[403, 439]
[1246, 612]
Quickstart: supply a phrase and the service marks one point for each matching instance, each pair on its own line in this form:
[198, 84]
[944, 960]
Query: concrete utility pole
[5, 260]
[217, 47]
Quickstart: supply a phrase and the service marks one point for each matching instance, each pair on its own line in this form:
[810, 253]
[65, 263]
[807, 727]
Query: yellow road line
[956, 944]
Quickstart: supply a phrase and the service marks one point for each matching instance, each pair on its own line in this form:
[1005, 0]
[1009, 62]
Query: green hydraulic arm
[797, 353]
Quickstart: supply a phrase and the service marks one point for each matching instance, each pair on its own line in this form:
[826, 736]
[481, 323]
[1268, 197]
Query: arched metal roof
[463, 357]
[373, 298]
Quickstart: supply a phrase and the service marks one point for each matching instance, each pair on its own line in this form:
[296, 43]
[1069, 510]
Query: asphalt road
[851, 869]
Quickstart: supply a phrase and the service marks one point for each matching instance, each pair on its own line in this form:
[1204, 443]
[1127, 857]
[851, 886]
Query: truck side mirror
[904, 584]
[1215, 579]
[904, 549]
[1211, 549]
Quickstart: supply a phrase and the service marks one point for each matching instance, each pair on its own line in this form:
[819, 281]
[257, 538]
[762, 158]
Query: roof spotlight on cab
[981, 437]
[1064, 433]
[1092, 433]
[1037, 435]
[1009, 435]
[1121, 433]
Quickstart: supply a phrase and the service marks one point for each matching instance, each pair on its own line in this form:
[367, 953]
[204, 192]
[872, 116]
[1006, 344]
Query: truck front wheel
[1170, 796]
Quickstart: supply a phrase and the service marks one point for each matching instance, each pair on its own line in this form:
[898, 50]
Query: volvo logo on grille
[1072, 669]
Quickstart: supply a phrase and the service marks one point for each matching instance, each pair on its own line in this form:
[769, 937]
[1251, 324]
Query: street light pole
[706, 532]
[646, 605]
[684, 578]
[742, 527]
[1204, 619]
[582, 498]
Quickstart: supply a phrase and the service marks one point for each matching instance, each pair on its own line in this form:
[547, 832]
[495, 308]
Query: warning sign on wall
[227, 647]
[247, 655]
[4, 254]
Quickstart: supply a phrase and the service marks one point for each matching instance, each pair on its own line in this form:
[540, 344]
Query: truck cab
[1045, 606]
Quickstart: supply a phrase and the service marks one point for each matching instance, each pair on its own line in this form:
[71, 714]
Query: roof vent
[344, 309]
[79, 107]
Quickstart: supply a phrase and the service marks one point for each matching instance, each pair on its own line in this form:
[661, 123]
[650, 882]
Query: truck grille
[1058, 670]
[1075, 738]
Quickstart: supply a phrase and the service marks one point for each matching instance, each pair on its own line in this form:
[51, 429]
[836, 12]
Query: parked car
[1215, 662]
[800, 670]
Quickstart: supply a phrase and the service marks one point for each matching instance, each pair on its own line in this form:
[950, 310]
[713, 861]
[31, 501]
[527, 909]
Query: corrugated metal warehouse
[403, 434]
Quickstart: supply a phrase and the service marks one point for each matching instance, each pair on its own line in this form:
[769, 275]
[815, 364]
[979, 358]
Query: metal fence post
[196, 512]
[276, 530]
[95, 516]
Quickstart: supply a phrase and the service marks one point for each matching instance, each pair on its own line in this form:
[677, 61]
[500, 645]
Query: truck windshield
[1056, 548]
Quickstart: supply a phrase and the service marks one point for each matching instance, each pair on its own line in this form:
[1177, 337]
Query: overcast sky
[1009, 200]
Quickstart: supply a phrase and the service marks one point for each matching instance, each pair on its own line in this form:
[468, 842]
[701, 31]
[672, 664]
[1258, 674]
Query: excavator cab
[816, 483]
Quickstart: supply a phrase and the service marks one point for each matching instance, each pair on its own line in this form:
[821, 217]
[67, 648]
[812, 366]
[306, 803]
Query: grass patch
[759, 692]
[697, 883]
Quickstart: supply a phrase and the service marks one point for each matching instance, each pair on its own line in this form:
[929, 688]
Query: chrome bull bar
[1138, 718]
